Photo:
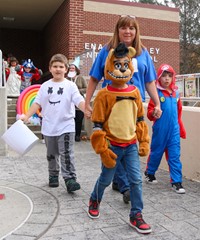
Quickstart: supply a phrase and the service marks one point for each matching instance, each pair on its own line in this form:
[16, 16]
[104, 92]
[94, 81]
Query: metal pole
[3, 107]
[1, 66]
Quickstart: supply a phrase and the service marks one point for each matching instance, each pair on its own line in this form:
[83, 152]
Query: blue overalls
[166, 138]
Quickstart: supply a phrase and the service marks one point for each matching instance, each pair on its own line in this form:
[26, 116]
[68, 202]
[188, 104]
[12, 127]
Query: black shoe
[178, 188]
[115, 186]
[126, 196]
[77, 138]
[93, 210]
[72, 185]
[150, 178]
[53, 181]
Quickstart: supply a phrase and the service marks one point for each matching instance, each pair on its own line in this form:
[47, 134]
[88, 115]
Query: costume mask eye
[126, 66]
[118, 65]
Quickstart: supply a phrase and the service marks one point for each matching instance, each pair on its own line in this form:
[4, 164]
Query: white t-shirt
[58, 101]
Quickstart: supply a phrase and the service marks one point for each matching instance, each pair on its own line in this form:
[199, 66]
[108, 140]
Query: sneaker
[126, 196]
[72, 185]
[139, 224]
[93, 210]
[43, 141]
[178, 188]
[115, 186]
[150, 178]
[53, 181]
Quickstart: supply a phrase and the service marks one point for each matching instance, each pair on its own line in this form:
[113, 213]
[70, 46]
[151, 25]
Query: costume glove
[143, 138]
[143, 149]
[100, 145]
[108, 158]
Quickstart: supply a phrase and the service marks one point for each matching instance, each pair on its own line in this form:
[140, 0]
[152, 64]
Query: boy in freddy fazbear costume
[167, 130]
[28, 73]
[118, 117]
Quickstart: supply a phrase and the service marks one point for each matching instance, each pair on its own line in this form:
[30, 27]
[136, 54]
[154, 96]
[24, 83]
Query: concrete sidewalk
[29, 209]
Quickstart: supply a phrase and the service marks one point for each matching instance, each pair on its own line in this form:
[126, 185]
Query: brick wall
[56, 33]
[77, 22]
[159, 27]
[64, 32]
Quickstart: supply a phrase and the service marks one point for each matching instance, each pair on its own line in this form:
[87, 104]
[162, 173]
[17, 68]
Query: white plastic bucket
[20, 138]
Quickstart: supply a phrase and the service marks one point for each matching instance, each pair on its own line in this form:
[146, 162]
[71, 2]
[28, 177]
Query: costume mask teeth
[118, 77]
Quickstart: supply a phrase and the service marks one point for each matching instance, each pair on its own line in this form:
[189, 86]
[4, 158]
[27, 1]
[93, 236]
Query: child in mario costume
[167, 130]
[118, 117]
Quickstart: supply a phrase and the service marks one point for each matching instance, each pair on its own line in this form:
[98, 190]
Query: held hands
[88, 111]
[157, 112]
[144, 149]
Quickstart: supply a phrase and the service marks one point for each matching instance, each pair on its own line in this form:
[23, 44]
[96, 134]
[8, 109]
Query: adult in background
[73, 75]
[126, 31]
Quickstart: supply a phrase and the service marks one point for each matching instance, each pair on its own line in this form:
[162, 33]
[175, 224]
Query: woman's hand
[157, 112]
[88, 111]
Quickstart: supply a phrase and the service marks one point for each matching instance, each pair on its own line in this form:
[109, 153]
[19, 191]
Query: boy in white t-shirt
[57, 98]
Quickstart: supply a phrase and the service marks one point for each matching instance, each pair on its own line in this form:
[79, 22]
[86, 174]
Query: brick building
[77, 25]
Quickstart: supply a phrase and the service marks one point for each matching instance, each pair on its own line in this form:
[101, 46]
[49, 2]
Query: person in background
[73, 75]
[57, 99]
[28, 73]
[167, 130]
[13, 82]
[126, 31]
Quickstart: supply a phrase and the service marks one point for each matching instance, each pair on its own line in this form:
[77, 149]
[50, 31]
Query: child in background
[57, 98]
[167, 130]
[28, 73]
[13, 79]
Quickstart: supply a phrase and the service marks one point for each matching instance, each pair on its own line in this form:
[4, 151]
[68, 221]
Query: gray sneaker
[53, 181]
[72, 185]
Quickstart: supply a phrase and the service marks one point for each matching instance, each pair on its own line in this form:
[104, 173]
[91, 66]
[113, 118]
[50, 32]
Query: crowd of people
[127, 71]
[19, 76]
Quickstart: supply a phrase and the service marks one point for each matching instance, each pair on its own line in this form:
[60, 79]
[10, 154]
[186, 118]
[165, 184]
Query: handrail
[194, 101]
[2, 72]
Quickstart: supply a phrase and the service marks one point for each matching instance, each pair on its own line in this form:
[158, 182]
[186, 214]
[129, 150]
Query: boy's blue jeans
[129, 158]
[120, 178]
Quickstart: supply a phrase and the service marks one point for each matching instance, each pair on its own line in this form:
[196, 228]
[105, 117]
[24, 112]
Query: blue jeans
[120, 178]
[129, 158]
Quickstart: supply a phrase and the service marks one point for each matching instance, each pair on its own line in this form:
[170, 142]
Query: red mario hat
[166, 68]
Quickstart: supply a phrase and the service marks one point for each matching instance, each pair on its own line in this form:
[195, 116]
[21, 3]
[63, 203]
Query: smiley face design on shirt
[54, 98]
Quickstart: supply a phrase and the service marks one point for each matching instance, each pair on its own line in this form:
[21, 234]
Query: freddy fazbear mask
[118, 67]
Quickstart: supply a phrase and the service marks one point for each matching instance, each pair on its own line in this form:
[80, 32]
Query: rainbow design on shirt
[26, 98]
